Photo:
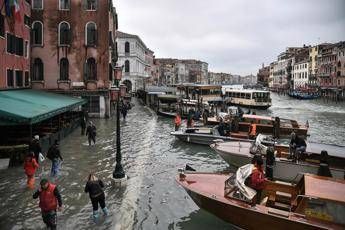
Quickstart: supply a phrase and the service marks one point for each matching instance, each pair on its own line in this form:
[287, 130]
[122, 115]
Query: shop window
[27, 80]
[92, 105]
[64, 69]
[37, 70]
[19, 78]
[10, 79]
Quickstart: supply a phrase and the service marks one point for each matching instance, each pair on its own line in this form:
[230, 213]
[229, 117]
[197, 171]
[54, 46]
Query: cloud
[232, 36]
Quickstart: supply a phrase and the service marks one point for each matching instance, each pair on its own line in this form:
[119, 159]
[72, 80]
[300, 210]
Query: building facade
[15, 45]
[263, 75]
[301, 74]
[133, 57]
[71, 47]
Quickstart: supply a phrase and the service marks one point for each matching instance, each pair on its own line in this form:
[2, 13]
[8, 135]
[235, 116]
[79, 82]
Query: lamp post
[120, 91]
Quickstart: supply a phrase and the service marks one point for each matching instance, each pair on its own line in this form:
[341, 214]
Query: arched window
[127, 49]
[90, 72]
[91, 34]
[127, 69]
[64, 34]
[37, 70]
[64, 4]
[64, 69]
[37, 33]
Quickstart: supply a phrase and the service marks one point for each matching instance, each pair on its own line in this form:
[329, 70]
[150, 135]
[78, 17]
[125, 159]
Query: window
[90, 69]
[37, 4]
[27, 20]
[37, 70]
[127, 69]
[10, 80]
[110, 72]
[127, 49]
[64, 69]
[64, 4]
[10, 43]
[91, 34]
[19, 78]
[19, 46]
[64, 34]
[37, 33]
[27, 80]
[90, 4]
[26, 49]
[2, 25]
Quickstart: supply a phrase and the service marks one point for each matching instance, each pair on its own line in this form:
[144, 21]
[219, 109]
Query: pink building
[14, 45]
[72, 47]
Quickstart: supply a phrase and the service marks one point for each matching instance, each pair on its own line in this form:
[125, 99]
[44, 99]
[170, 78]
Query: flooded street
[151, 157]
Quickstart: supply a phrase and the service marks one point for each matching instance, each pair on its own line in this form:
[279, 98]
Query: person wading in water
[50, 199]
[94, 187]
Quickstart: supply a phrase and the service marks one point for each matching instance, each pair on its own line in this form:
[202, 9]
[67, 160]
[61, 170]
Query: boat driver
[297, 146]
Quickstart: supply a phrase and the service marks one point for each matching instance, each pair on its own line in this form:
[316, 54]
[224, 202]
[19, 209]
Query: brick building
[263, 75]
[72, 49]
[14, 45]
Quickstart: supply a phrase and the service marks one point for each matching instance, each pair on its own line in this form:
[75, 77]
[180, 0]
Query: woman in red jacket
[258, 178]
[30, 166]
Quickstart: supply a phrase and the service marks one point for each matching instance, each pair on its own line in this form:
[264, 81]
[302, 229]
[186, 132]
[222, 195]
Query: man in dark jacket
[55, 156]
[50, 199]
[91, 133]
[35, 147]
[297, 146]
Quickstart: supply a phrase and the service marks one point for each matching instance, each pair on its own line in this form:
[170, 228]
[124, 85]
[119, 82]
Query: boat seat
[278, 212]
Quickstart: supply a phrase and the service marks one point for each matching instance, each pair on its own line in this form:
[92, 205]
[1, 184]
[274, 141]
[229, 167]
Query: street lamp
[120, 91]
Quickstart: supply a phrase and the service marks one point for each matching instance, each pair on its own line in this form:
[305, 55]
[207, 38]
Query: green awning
[27, 106]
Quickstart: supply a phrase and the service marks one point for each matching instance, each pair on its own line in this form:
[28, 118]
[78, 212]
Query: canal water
[151, 199]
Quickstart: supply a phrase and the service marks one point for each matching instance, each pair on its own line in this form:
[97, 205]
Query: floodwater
[151, 199]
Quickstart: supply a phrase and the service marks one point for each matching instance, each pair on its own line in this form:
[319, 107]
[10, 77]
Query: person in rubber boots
[94, 187]
[50, 202]
[30, 166]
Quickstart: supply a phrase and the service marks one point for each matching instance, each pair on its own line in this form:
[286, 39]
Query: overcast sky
[233, 36]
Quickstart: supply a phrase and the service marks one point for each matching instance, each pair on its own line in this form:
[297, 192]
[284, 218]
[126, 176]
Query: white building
[132, 56]
[300, 74]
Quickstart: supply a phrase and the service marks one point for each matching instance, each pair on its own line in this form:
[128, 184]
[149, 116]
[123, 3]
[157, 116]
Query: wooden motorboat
[207, 136]
[238, 153]
[313, 203]
[264, 124]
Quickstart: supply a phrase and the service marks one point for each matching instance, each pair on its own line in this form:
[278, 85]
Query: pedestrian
[190, 122]
[30, 166]
[91, 133]
[276, 128]
[324, 167]
[252, 130]
[205, 115]
[55, 156]
[123, 110]
[35, 147]
[177, 121]
[83, 124]
[94, 187]
[50, 202]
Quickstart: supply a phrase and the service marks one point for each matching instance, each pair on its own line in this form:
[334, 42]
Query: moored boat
[238, 153]
[313, 203]
[206, 136]
[265, 124]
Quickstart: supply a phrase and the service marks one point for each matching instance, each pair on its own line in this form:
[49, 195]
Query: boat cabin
[313, 198]
[249, 98]
[203, 93]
